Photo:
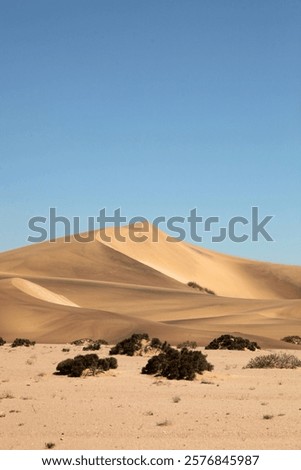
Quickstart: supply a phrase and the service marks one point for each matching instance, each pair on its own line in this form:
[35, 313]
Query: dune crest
[111, 287]
[39, 292]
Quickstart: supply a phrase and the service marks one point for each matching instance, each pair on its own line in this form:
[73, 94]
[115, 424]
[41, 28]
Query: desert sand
[228, 408]
[56, 292]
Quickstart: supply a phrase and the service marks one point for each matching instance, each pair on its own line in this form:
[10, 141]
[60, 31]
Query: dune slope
[57, 291]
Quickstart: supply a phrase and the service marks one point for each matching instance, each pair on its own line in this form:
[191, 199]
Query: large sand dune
[57, 291]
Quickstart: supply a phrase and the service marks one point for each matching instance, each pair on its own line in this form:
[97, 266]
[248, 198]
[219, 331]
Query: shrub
[22, 342]
[92, 347]
[196, 286]
[274, 361]
[87, 341]
[2, 342]
[130, 346]
[75, 367]
[292, 339]
[232, 342]
[157, 344]
[187, 344]
[49, 445]
[177, 365]
[139, 343]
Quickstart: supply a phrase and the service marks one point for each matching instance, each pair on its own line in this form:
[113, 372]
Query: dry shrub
[274, 361]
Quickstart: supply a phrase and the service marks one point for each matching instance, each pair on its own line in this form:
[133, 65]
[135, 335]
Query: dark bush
[177, 365]
[292, 339]
[64, 367]
[2, 342]
[157, 344]
[187, 344]
[232, 342]
[130, 345]
[112, 362]
[22, 342]
[75, 367]
[102, 341]
[196, 286]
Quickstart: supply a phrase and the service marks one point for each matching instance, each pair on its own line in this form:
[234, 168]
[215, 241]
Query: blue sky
[156, 107]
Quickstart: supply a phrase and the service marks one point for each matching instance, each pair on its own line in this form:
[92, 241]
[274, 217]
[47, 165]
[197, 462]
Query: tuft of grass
[164, 423]
[6, 395]
[274, 361]
[49, 445]
[176, 399]
[268, 416]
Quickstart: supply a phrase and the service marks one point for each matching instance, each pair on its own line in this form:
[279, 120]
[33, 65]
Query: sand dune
[56, 292]
[225, 275]
[40, 292]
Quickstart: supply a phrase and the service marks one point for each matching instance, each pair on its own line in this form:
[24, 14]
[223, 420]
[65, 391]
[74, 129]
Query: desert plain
[56, 292]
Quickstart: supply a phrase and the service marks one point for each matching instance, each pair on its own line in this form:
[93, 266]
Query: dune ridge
[55, 291]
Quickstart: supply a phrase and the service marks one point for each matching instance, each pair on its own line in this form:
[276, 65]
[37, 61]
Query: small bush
[292, 339]
[232, 343]
[177, 365]
[92, 347]
[187, 344]
[87, 341]
[130, 346]
[274, 361]
[2, 342]
[22, 342]
[157, 344]
[75, 367]
[196, 286]
[138, 344]
[49, 445]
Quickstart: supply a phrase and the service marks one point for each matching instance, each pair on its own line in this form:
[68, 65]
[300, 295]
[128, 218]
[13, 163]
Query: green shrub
[232, 343]
[2, 342]
[292, 339]
[130, 346]
[187, 344]
[22, 342]
[177, 365]
[196, 286]
[75, 367]
[274, 361]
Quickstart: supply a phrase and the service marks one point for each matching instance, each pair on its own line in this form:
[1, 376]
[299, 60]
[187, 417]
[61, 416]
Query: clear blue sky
[156, 107]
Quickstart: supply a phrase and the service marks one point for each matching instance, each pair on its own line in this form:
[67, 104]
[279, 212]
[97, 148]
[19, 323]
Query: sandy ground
[229, 408]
